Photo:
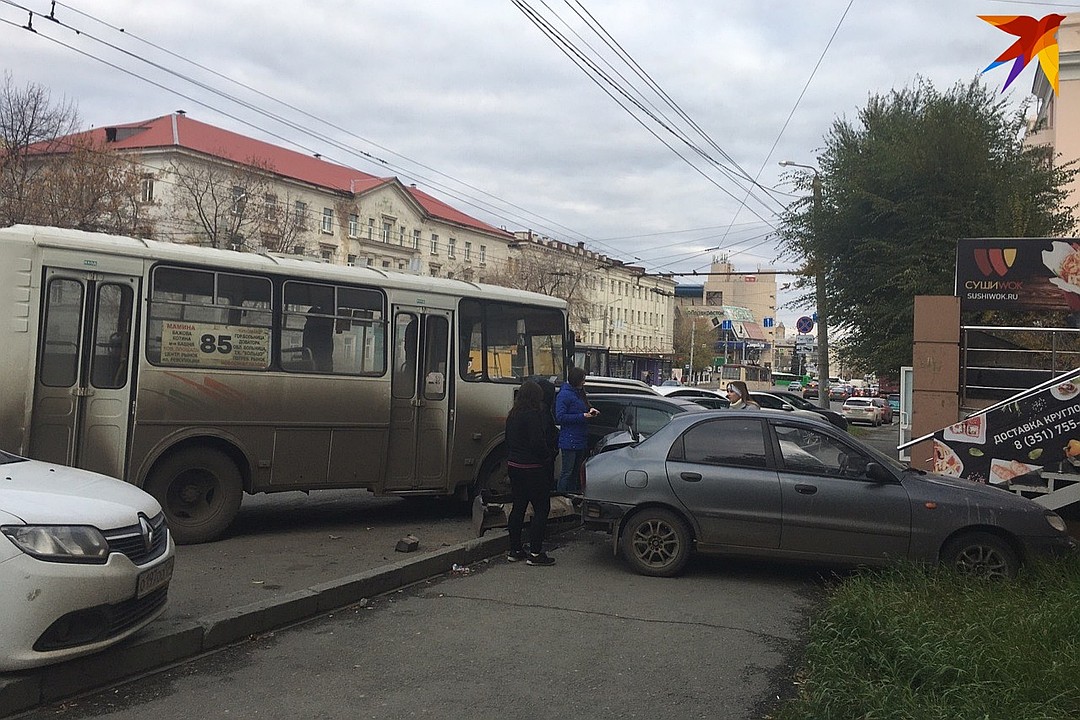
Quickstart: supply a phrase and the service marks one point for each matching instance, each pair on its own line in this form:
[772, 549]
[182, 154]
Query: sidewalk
[285, 561]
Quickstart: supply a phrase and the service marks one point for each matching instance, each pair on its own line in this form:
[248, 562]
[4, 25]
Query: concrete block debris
[409, 543]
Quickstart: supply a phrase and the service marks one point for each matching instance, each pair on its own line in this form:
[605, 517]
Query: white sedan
[85, 561]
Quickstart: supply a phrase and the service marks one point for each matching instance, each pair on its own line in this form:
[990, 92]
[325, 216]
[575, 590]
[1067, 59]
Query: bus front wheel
[200, 490]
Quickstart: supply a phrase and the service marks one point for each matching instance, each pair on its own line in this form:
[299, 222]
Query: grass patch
[908, 642]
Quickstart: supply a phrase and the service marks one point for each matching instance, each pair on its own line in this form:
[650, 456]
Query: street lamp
[818, 264]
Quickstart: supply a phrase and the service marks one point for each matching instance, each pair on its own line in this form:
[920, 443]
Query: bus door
[82, 386]
[420, 413]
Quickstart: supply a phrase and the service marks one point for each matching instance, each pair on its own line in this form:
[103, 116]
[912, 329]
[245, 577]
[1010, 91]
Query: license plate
[154, 578]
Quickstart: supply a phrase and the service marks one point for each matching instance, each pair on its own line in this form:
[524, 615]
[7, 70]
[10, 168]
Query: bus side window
[318, 339]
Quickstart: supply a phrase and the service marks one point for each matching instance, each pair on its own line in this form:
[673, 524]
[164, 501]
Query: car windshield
[6, 458]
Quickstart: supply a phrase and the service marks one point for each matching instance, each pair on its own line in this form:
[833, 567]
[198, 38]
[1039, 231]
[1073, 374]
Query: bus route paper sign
[191, 344]
[1012, 442]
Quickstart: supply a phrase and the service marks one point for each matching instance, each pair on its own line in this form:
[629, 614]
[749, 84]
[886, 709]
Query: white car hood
[39, 493]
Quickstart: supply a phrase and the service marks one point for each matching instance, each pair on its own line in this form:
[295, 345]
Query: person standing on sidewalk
[530, 448]
[572, 413]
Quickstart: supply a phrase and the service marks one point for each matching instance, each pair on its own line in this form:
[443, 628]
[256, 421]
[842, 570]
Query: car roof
[600, 383]
[684, 391]
[655, 400]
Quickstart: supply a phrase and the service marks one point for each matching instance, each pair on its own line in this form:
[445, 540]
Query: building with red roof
[204, 184]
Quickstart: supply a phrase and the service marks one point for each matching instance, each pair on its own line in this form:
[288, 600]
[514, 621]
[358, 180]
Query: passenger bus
[201, 374]
[782, 379]
[756, 377]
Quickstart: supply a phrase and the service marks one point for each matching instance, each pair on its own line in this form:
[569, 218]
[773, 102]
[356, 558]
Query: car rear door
[830, 506]
[719, 470]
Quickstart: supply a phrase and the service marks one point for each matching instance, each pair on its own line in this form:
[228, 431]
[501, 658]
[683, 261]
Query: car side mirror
[878, 473]
[788, 407]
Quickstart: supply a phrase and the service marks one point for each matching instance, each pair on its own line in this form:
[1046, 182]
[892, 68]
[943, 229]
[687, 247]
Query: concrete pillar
[936, 375]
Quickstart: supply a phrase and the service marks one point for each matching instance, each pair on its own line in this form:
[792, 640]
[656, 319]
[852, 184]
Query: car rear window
[857, 402]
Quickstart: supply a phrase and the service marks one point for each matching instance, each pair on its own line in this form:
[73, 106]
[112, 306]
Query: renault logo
[147, 532]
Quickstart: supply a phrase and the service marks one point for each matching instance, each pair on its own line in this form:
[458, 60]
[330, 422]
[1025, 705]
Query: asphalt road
[584, 638]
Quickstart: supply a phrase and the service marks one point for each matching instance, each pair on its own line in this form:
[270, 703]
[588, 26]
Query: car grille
[132, 541]
[100, 623]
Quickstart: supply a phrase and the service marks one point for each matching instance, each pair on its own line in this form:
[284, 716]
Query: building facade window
[328, 220]
[468, 251]
[146, 190]
[354, 225]
[416, 239]
[483, 254]
[371, 228]
[326, 254]
[434, 244]
[239, 198]
[270, 207]
[351, 260]
[300, 214]
[451, 246]
[387, 228]
[401, 236]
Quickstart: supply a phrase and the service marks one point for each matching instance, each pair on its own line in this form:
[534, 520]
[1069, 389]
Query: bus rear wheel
[200, 490]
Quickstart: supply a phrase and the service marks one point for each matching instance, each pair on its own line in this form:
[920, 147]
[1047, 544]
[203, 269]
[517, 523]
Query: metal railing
[998, 362]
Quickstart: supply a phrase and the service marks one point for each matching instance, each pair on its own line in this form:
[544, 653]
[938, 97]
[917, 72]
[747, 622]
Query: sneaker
[540, 559]
[515, 555]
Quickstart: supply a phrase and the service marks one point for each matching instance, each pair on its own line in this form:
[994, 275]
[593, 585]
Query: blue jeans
[569, 478]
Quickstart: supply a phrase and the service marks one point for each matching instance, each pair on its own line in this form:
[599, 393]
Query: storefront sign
[1018, 274]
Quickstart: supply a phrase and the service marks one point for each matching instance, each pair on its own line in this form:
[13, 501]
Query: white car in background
[85, 561]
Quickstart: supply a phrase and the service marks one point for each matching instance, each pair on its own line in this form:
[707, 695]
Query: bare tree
[52, 175]
[545, 270]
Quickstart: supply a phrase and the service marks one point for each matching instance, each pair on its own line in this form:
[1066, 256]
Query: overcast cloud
[473, 90]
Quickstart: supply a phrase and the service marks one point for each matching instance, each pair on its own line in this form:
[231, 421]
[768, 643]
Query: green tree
[919, 170]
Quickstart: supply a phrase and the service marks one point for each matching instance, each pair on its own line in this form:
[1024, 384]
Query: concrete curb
[164, 643]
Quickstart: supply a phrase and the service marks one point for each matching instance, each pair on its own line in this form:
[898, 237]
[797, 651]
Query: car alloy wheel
[656, 542]
[981, 554]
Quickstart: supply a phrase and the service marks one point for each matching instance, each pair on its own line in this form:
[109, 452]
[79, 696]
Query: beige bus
[201, 374]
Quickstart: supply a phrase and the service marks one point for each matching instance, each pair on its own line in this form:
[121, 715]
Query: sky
[476, 104]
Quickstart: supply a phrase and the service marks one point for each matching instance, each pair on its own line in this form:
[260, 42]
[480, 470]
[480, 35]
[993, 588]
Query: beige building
[613, 305]
[1057, 122]
[207, 185]
[203, 184]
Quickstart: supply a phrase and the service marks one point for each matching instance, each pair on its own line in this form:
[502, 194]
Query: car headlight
[1055, 521]
[59, 543]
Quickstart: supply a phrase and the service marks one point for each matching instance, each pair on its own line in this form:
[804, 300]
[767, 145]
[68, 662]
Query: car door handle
[690, 476]
[805, 489]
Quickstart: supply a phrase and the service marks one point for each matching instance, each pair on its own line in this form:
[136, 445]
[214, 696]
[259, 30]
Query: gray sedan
[768, 484]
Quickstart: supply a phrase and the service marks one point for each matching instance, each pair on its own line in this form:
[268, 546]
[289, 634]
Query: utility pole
[817, 263]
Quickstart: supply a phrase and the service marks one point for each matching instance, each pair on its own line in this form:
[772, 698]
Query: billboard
[1011, 443]
[1018, 274]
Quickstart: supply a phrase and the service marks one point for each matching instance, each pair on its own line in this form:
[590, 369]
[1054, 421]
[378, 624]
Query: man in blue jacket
[572, 413]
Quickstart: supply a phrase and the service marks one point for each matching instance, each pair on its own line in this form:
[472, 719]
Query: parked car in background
[603, 384]
[641, 414]
[799, 403]
[860, 409]
[894, 402]
[794, 386]
[772, 401]
[886, 411]
[85, 561]
[765, 484]
[702, 396]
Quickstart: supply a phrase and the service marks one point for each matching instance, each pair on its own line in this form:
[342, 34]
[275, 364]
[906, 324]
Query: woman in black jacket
[530, 448]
